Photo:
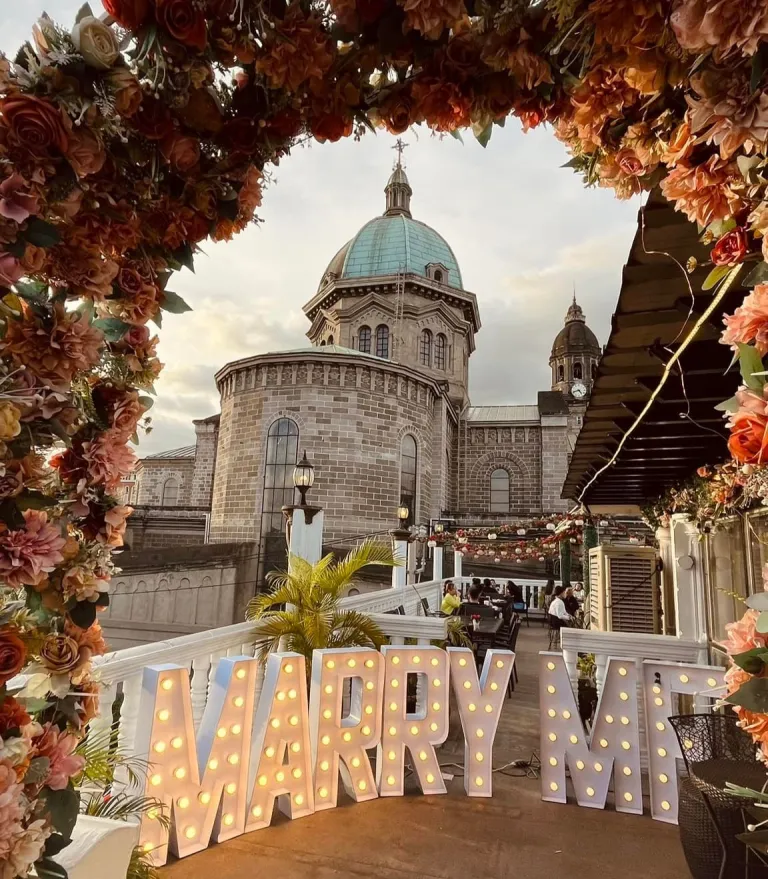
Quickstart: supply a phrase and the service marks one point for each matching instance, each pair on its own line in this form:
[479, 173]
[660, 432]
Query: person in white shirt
[578, 593]
[557, 610]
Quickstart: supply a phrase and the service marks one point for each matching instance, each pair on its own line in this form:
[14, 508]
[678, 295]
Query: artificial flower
[126, 89]
[432, 17]
[131, 14]
[85, 152]
[59, 748]
[720, 24]
[30, 553]
[184, 20]
[16, 202]
[34, 123]
[748, 442]
[704, 192]
[13, 654]
[96, 42]
[730, 248]
[10, 269]
[23, 847]
[182, 152]
[13, 716]
[108, 460]
[10, 416]
[749, 322]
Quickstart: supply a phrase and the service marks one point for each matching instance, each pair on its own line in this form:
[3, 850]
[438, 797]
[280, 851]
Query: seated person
[558, 615]
[571, 602]
[488, 589]
[473, 605]
[578, 593]
[515, 592]
[451, 601]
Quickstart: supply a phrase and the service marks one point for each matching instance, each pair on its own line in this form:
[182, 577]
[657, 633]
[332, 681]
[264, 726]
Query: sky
[524, 231]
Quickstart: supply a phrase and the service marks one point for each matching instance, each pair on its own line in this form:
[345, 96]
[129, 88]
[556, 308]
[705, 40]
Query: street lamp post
[401, 537]
[304, 522]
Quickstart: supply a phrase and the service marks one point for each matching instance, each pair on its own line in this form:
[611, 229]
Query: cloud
[523, 230]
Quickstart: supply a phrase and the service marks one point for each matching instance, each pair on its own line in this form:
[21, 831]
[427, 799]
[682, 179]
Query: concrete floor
[514, 834]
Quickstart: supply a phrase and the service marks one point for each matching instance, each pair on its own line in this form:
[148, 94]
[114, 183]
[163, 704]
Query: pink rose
[58, 747]
[15, 203]
[10, 269]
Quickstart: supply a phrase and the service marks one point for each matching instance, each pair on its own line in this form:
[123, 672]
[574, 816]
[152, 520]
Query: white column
[412, 547]
[458, 558]
[400, 550]
[689, 580]
[437, 563]
[664, 539]
[307, 537]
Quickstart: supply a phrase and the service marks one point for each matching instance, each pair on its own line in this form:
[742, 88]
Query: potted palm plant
[301, 613]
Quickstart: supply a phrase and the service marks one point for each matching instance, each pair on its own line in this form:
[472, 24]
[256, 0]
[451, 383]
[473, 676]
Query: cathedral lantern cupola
[574, 357]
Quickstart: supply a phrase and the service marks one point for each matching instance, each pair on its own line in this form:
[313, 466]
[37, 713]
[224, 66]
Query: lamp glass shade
[304, 474]
[402, 512]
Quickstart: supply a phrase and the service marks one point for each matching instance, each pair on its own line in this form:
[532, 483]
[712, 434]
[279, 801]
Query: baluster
[396, 640]
[129, 718]
[201, 666]
[421, 680]
[601, 662]
[571, 658]
[101, 725]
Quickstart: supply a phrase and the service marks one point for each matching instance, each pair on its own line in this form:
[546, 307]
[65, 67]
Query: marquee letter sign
[615, 741]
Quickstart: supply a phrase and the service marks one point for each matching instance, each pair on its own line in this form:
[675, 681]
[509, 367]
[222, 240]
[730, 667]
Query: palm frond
[351, 628]
[141, 866]
[122, 807]
[456, 634]
[343, 573]
[103, 757]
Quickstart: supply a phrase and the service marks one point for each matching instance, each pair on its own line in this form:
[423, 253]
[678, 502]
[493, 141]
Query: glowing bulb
[711, 682]
[553, 786]
[628, 797]
[347, 737]
[553, 737]
[551, 666]
[479, 733]
[327, 714]
[369, 709]
[663, 778]
[270, 752]
[292, 694]
[180, 772]
[295, 747]
[623, 671]
[153, 813]
[603, 743]
[392, 730]
[328, 688]
[369, 663]
[274, 723]
[262, 780]
[579, 764]
[479, 757]
[499, 664]
[665, 806]
[288, 668]
[326, 740]
[567, 715]
[462, 662]
[574, 740]
[391, 755]
[684, 679]
[434, 661]
[324, 765]
[205, 798]
[627, 770]
[657, 689]
[240, 674]
[436, 682]
[190, 833]
[551, 689]
[362, 785]
[229, 820]
[598, 767]
[658, 701]
[395, 660]
[552, 712]
[393, 706]
[422, 755]
[164, 714]
[221, 732]
[298, 799]
[296, 773]
[148, 846]
[239, 702]
[351, 663]
[231, 787]
[236, 729]
[281, 696]
[233, 759]
[553, 761]
[623, 696]
[494, 686]
[177, 742]
[330, 664]
[155, 780]
[160, 747]
[660, 726]
[471, 707]
[433, 727]
[395, 682]
[256, 811]
[323, 793]
[488, 709]
[609, 718]
[590, 791]
[167, 684]
[390, 779]
[293, 720]
[687, 744]
[662, 752]
[435, 706]
[369, 685]
[280, 775]
[416, 659]
[182, 803]
[625, 721]
[626, 745]
[430, 778]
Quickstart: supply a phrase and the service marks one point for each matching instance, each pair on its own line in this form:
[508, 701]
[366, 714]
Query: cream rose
[96, 42]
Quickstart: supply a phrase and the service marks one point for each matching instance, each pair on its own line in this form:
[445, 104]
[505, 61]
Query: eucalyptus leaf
[47, 868]
[84, 11]
[729, 405]
[55, 843]
[752, 661]
[483, 135]
[758, 275]
[184, 256]
[40, 233]
[173, 303]
[83, 614]
[113, 328]
[753, 695]
[63, 807]
[717, 274]
[34, 500]
[758, 601]
[146, 402]
[750, 362]
[457, 134]
[762, 623]
[37, 771]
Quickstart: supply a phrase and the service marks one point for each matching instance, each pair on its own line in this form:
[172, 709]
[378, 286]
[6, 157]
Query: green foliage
[124, 807]
[456, 634]
[103, 757]
[753, 695]
[302, 612]
[751, 365]
[140, 866]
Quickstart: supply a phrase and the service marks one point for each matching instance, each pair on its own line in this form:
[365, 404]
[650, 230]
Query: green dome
[395, 242]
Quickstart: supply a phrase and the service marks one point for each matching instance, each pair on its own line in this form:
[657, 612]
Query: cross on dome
[398, 188]
[400, 146]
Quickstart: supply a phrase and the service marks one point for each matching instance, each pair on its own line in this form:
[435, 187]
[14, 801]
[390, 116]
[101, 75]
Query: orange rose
[181, 152]
[397, 113]
[13, 653]
[33, 259]
[629, 163]
[85, 153]
[60, 654]
[731, 248]
[127, 90]
[184, 20]
[748, 442]
[129, 13]
[35, 124]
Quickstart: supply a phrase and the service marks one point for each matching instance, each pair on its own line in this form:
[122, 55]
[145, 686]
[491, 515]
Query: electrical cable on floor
[530, 768]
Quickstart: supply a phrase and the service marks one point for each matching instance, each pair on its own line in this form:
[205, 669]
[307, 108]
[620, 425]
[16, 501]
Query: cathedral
[379, 402]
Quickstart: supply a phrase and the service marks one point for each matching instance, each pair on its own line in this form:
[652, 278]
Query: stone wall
[207, 431]
[352, 414]
[164, 594]
[155, 527]
[514, 448]
[555, 456]
[153, 473]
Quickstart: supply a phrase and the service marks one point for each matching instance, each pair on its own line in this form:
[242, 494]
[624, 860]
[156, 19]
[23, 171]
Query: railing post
[306, 528]
[690, 619]
[437, 563]
[201, 667]
[458, 557]
[101, 725]
[129, 718]
[411, 575]
[400, 540]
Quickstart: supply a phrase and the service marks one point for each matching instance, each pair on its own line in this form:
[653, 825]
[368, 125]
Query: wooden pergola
[654, 316]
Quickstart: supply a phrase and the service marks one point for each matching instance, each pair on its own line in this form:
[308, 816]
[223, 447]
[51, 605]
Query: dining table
[486, 626]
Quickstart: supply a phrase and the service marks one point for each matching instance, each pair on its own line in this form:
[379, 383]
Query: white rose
[96, 42]
[14, 750]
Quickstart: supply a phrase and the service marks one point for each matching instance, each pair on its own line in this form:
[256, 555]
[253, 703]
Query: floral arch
[128, 140]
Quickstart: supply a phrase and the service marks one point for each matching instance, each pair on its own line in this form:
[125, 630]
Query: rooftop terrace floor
[513, 834]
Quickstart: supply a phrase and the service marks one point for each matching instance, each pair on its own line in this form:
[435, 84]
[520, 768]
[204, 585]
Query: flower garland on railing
[126, 143]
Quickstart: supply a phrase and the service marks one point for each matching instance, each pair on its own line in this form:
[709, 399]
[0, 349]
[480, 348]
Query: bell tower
[574, 357]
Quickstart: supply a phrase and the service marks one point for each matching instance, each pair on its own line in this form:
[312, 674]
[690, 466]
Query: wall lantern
[402, 514]
[303, 478]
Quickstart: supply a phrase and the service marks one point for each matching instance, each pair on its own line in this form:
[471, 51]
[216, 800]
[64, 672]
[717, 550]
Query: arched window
[322, 343]
[281, 456]
[170, 492]
[408, 466]
[440, 346]
[425, 348]
[594, 371]
[438, 276]
[330, 340]
[364, 340]
[577, 372]
[382, 341]
[561, 373]
[499, 491]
